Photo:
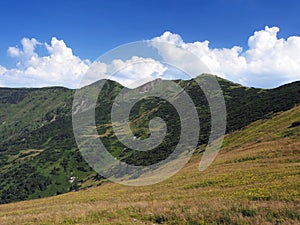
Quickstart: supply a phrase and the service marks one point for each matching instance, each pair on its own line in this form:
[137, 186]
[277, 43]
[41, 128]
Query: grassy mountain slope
[38, 153]
[254, 180]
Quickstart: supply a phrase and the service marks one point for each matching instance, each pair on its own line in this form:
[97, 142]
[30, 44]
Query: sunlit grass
[254, 180]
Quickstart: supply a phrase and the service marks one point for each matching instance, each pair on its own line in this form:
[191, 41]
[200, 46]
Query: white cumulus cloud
[59, 67]
[267, 62]
[131, 73]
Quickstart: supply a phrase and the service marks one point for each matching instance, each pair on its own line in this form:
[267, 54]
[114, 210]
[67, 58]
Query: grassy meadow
[255, 179]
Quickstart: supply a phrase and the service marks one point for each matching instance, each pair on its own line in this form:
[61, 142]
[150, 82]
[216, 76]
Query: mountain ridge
[38, 152]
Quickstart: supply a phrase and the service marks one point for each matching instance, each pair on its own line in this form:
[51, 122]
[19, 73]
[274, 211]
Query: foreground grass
[254, 180]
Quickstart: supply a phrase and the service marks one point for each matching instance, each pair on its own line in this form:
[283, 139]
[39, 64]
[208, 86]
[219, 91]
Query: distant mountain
[38, 153]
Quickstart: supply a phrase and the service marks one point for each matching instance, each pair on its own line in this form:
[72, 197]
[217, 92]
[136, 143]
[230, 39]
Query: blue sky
[91, 27]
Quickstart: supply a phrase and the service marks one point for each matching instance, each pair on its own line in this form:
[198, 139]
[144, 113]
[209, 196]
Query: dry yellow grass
[254, 180]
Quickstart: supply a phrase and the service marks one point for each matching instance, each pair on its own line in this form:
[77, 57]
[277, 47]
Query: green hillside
[255, 179]
[38, 153]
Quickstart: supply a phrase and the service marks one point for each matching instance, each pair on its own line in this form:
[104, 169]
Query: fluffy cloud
[267, 62]
[131, 73]
[59, 67]
[269, 58]
[218, 61]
